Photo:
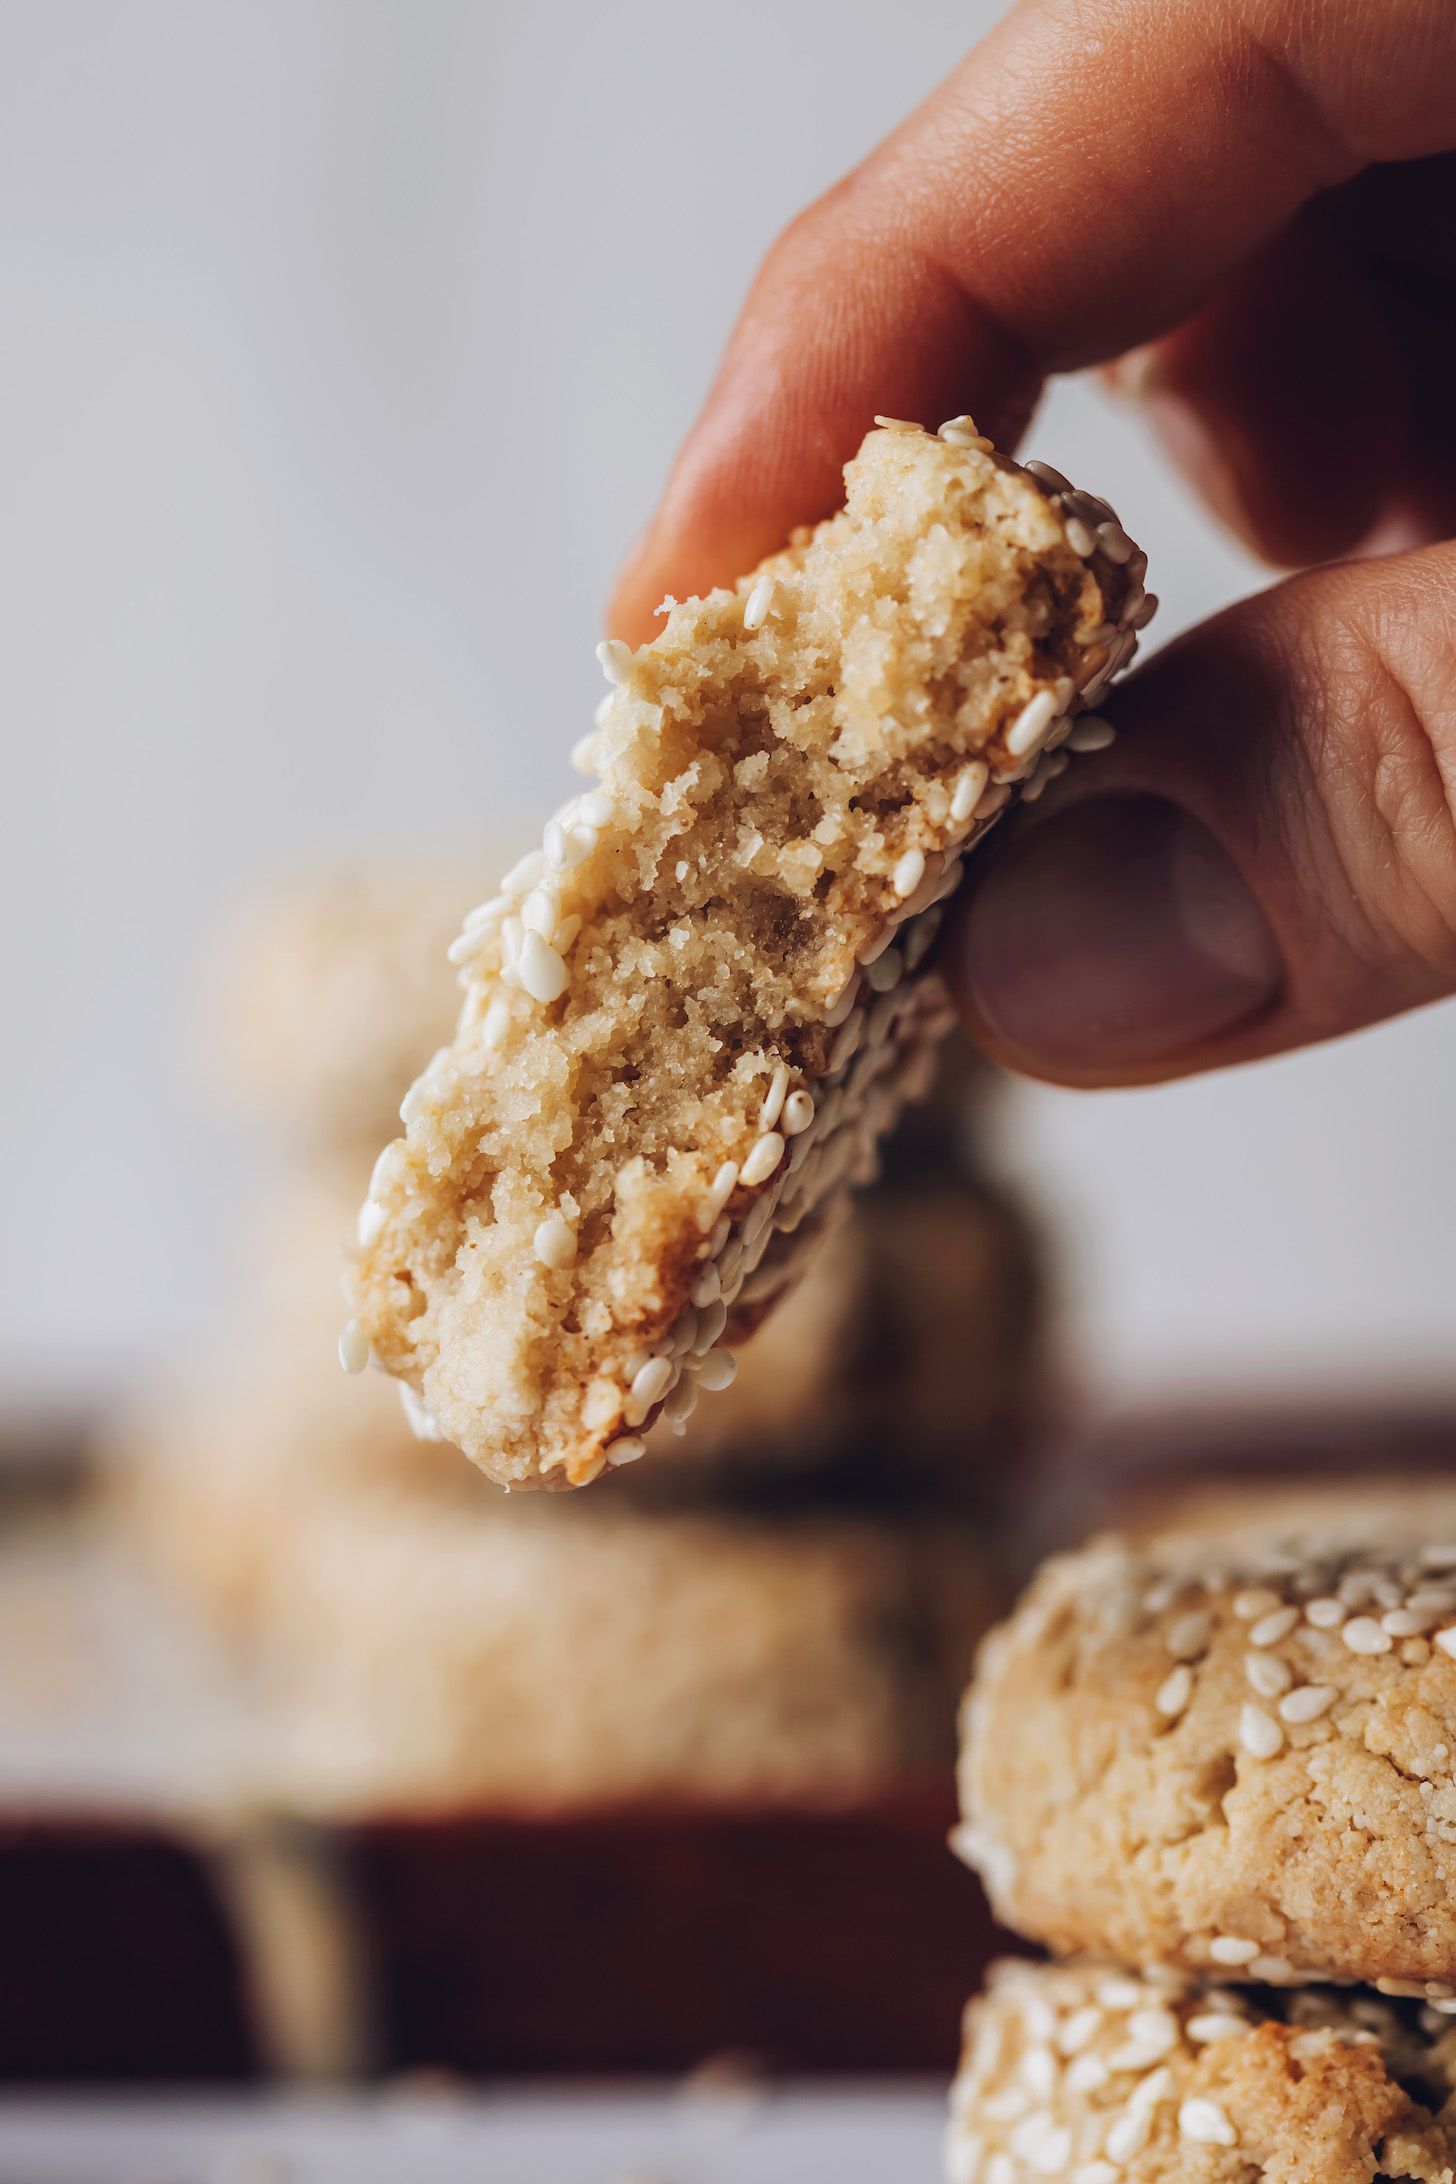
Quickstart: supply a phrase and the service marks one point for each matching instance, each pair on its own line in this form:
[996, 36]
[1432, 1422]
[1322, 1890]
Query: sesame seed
[1410, 1622]
[1154, 2029]
[773, 1103]
[584, 750]
[616, 659]
[596, 808]
[524, 874]
[798, 1113]
[1145, 612]
[1091, 733]
[908, 873]
[681, 1401]
[839, 1009]
[1362, 1634]
[1038, 2072]
[1446, 1640]
[845, 1043]
[1115, 542]
[1115, 1993]
[540, 969]
[1255, 1603]
[650, 1383]
[372, 1217]
[919, 936]
[886, 971]
[626, 1450]
[1046, 476]
[898, 424]
[1259, 1734]
[1325, 1613]
[684, 1331]
[353, 1348]
[1215, 2025]
[718, 1371]
[1271, 1628]
[1228, 1949]
[1175, 1692]
[712, 1319]
[757, 1219]
[708, 1288]
[759, 604]
[1129, 2134]
[970, 785]
[765, 1156]
[554, 1243]
[541, 912]
[497, 1023]
[1267, 1674]
[1079, 2030]
[720, 1190]
[1188, 1636]
[1032, 725]
[486, 913]
[567, 847]
[1088, 2074]
[1307, 1703]
[1205, 2123]
[1082, 541]
[1438, 1558]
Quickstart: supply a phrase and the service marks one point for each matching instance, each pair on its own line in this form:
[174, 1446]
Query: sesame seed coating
[1282, 1801]
[1307, 2086]
[790, 773]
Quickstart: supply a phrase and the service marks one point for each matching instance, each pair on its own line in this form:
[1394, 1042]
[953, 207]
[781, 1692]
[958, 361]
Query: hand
[1252, 204]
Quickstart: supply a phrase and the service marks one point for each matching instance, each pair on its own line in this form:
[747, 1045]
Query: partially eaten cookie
[692, 1013]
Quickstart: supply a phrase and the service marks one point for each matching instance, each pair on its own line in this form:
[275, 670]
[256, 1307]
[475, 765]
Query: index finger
[1086, 177]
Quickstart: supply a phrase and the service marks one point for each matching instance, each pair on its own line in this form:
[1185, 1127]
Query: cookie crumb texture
[1086, 2073]
[692, 1013]
[1239, 1759]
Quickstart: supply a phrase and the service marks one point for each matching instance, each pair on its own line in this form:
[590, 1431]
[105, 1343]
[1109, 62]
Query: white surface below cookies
[874, 2135]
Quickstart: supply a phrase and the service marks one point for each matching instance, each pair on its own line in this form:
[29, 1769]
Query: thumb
[1264, 858]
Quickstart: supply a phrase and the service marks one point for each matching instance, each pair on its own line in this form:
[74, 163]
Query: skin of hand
[1246, 210]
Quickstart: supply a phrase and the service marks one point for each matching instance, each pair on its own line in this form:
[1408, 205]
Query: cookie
[692, 1013]
[416, 1657]
[1230, 1754]
[324, 993]
[1086, 2073]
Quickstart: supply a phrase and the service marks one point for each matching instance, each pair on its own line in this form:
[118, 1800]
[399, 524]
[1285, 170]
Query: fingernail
[1114, 935]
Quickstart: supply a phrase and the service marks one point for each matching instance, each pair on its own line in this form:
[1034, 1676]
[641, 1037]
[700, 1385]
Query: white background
[345, 345]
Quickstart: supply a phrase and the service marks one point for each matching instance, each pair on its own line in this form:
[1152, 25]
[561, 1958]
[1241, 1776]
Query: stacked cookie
[727, 1622]
[1217, 1770]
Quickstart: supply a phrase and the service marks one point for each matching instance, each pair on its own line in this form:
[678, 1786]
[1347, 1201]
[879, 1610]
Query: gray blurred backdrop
[345, 345]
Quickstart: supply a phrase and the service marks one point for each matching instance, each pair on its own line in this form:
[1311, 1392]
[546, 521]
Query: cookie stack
[734, 1663]
[1216, 1770]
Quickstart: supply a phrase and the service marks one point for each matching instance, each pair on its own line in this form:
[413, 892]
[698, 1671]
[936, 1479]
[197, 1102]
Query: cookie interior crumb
[662, 995]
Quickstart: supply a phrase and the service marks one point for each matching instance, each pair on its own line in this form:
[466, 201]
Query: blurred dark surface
[1133, 1470]
[806, 1942]
[116, 1961]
